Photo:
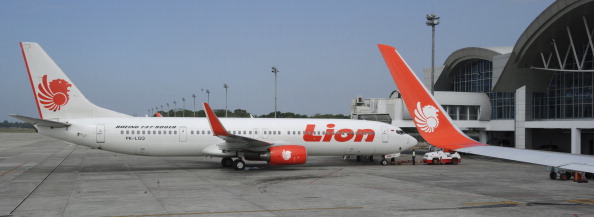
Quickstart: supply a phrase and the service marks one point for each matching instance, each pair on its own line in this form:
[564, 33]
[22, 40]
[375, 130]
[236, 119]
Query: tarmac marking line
[315, 180]
[245, 211]
[583, 201]
[493, 203]
[12, 169]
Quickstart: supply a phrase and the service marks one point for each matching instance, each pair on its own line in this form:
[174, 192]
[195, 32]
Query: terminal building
[537, 94]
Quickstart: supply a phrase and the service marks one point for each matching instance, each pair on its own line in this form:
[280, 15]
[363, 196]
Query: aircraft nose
[412, 141]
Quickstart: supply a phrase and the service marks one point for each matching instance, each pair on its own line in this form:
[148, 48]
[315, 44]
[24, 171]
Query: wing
[437, 128]
[232, 142]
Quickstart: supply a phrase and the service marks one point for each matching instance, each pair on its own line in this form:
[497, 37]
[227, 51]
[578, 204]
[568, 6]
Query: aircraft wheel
[435, 161]
[227, 162]
[553, 175]
[455, 161]
[588, 175]
[568, 175]
[383, 162]
[370, 158]
[238, 164]
[358, 158]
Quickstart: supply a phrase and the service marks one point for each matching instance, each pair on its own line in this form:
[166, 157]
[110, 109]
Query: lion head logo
[286, 154]
[426, 118]
[54, 94]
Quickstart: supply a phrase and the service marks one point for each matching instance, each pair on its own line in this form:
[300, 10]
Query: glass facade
[476, 76]
[569, 95]
[462, 112]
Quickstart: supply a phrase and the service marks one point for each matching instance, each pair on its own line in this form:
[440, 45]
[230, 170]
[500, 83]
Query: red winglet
[157, 114]
[217, 128]
[432, 122]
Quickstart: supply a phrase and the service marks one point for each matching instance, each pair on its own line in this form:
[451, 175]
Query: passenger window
[143, 132]
[159, 132]
[122, 132]
[175, 132]
[132, 132]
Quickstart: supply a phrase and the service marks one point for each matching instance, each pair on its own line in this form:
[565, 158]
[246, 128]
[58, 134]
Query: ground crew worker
[413, 156]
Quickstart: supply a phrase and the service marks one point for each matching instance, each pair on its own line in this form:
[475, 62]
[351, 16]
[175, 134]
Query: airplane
[437, 128]
[66, 114]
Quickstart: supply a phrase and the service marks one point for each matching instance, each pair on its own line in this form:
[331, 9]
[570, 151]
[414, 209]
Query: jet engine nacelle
[281, 155]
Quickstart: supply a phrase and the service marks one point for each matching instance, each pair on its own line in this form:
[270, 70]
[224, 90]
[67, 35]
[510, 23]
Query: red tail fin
[433, 123]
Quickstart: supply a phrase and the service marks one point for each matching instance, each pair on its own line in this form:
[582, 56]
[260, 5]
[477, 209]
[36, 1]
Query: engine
[280, 155]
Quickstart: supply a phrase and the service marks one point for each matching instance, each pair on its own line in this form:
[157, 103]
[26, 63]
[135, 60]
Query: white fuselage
[153, 136]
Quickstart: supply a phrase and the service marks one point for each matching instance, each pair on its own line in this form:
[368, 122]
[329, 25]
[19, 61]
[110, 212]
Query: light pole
[226, 88]
[174, 108]
[432, 20]
[194, 111]
[207, 95]
[168, 110]
[184, 111]
[275, 71]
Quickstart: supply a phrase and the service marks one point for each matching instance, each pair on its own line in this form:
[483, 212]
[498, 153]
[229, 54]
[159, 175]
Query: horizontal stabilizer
[41, 122]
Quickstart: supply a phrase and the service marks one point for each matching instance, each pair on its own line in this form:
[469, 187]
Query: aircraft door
[385, 135]
[100, 133]
[183, 134]
[255, 133]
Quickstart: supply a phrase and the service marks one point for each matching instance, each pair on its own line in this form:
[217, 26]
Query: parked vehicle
[441, 157]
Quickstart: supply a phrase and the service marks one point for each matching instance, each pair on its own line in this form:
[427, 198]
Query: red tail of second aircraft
[432, 122]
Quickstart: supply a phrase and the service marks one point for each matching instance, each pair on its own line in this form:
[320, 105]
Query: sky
[131, 56]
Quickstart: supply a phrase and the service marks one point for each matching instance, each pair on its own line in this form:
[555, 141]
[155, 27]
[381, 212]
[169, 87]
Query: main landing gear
[237, 164]
[383, 161]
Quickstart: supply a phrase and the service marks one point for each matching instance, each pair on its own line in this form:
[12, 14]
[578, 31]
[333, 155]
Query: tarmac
[41, 176]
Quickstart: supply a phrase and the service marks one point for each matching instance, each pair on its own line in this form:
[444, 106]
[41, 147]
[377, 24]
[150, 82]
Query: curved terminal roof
[486, 53]
[459, 57]
[553, 23]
